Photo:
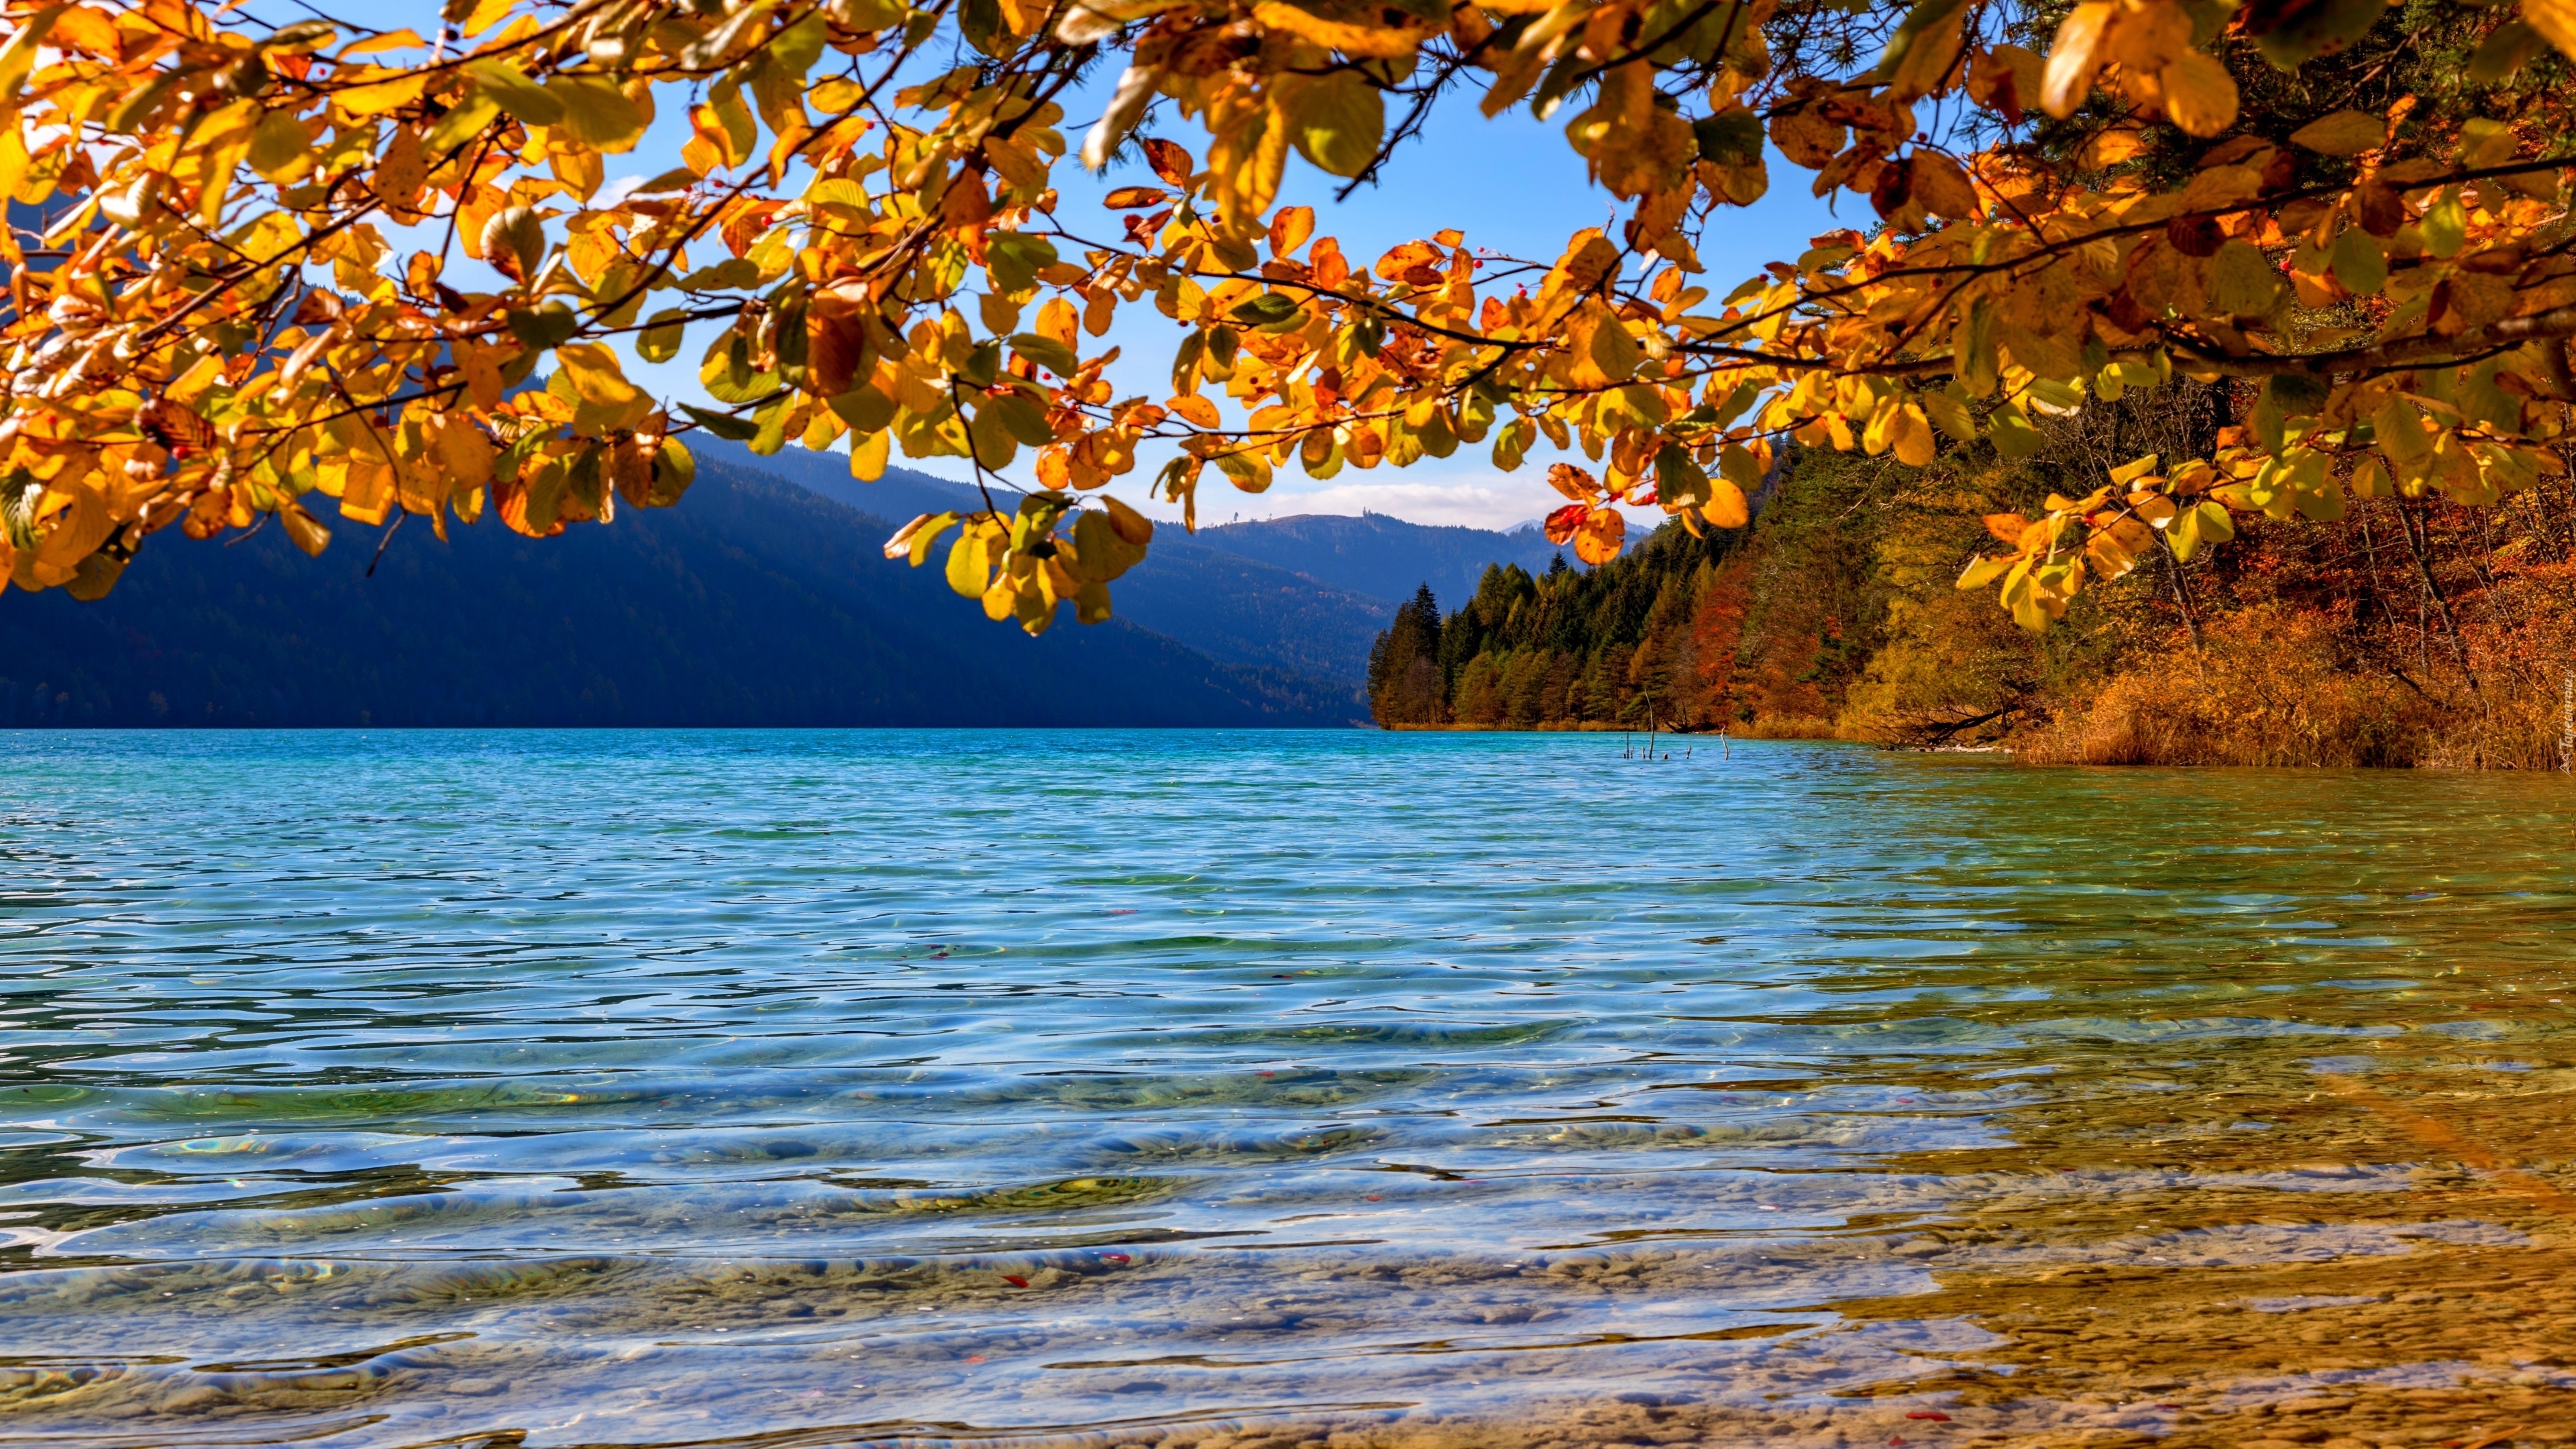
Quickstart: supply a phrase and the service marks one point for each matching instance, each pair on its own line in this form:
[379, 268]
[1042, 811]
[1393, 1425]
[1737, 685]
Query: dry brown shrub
[2267, 687]
[1788, 727]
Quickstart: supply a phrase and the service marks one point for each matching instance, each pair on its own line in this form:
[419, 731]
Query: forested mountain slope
[1231, 607]
[1384, 558]
[753, 603]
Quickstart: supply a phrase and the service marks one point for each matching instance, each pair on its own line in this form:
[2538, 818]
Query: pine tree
[1406, 682]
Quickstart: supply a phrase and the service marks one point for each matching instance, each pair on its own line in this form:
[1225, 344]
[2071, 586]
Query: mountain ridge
[755, 603]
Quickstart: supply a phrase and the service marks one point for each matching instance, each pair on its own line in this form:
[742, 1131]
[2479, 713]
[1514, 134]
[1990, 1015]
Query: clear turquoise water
[842, 1088]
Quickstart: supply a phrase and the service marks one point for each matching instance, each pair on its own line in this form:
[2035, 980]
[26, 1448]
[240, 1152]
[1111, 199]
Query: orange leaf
[2007, 526]
[1170, 162]
[1290, 228]
[1135, 198]
[1575, 483]
[1598, 541]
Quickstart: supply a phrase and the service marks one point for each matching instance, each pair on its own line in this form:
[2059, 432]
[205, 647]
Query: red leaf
[1563, 522]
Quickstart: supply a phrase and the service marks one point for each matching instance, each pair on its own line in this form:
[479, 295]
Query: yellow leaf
[2555, 19]
[1942, 185]
[2200, 95]
[378, 97]
[1130, 525]
[599, 115]
[868, 455]
[402, 170]
[1911, 436]
[595, 374]
[1336, 121]
[1353, 27]
[2345, 133]
[2076, 58]
[1726, 506]
[913, 541]
[307, 531]
[1929, 59]
[1983, 571]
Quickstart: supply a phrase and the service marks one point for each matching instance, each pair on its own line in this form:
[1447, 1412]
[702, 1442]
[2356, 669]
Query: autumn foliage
[273, 263]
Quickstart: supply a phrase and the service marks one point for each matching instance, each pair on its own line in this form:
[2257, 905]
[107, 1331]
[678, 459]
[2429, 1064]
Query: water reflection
[1269, 1090]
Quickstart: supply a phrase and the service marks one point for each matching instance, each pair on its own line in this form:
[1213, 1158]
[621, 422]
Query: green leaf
[660, 340]
[2010, 431]
[796, 48]
[1729, 138]
[596, 113]
[1015, 258]
[1270, 309]
[2445, 224]
[2215, 524]
[980, 22]
[990, 434]
[2505, 52]
[2359, 263]
[727, 376]
[1020, 415]
[865, 409]
[2292, 33]
[551, 325]
[1950, 415]
[673, 471]
[2242, 281]
[1336, 121]
[1048, 353]
[1679, 482]
[2268, 423]
[512, 91]
[94, 576]
[1740, 467]
[723, 425]
[454, 129]
[2184, 533]
[1923, 19]
[771, 434]
[727, 275]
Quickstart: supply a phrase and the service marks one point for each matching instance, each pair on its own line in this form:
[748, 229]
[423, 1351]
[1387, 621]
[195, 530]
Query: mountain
[1307, 593]
[1381, 557]
[1233, 608]
[753, 603]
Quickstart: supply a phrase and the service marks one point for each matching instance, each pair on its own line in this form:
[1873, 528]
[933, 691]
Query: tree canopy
[278, 260]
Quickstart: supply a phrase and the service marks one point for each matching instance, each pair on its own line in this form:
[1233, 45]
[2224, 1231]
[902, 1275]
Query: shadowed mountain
[753, 603]
[1215, 599]
[1307, 593]
[1382, 557]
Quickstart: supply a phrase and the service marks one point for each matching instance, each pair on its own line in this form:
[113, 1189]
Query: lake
[1256, 1090]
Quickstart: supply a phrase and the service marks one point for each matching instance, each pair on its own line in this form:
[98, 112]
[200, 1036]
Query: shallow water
[1271, 1089]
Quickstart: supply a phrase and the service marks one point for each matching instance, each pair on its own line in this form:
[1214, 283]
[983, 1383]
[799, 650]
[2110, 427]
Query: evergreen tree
[1406, 682]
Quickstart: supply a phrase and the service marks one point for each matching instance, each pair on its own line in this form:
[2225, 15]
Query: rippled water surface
[1271, 1090]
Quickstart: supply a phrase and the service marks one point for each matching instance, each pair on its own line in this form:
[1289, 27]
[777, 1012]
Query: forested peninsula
[2409, 632]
